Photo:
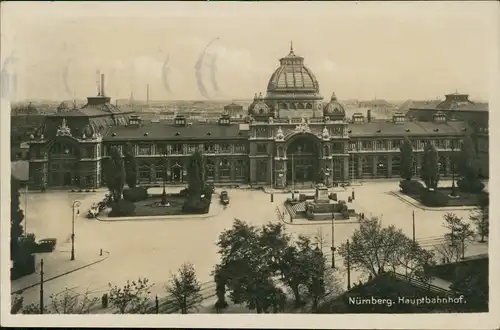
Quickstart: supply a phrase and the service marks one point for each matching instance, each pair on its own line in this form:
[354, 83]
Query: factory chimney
[369, 115]
[102, 84]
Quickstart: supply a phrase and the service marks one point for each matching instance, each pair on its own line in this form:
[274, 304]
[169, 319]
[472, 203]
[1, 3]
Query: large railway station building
[288, 136]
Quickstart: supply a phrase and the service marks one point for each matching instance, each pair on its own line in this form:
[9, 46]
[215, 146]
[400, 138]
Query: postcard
[305, 165]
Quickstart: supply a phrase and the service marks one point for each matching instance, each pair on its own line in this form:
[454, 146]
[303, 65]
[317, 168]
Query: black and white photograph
[265, 164]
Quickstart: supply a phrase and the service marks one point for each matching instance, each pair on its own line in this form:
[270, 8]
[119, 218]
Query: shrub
[470, 186]
[410, 186]
[123, 208]
[302, 197]
[333, 196]
[433, 198]
[135, 194]
[184, 192]
[196, 206]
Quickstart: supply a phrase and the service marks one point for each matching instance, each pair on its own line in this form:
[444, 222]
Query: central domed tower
[293, 90]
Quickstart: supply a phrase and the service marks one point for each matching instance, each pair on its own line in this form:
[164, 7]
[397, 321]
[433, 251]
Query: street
[156, 249]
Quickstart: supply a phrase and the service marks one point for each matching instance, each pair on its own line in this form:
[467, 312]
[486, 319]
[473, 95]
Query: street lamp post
[453, 188]
[333, 240]
[76, 204]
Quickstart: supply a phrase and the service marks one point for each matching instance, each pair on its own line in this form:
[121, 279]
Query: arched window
[239, 168]
[282, 106]
[224, 168]
[309, 106]
[144, 172]
[292, 106]
[210, 169]
[300, 106]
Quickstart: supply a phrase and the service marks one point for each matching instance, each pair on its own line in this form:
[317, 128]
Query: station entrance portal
[302, 162]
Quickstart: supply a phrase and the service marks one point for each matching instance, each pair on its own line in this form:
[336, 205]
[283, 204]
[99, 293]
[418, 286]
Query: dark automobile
[224, 197]
[46, 245]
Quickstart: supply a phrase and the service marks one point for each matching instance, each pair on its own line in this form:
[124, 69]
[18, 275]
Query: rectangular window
[191, 148]
[161, 149]
[367, 145]
[209, 148]
[240, 148]
[225, 148]
[352, 145]
[144, 149]
[262, 148]
[177, 149]
[396, 144]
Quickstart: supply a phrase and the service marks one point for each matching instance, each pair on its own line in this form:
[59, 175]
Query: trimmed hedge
[196, 206]
[123, 208]
[433, 198]
[411, 187]
[470, 186]
[135, 194]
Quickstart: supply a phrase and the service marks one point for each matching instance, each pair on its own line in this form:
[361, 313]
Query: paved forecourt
[155, 249]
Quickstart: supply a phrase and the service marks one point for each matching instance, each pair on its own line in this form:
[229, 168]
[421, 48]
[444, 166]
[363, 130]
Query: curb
[319, 222]
[63, 274]
[162, 217]
[425, 208]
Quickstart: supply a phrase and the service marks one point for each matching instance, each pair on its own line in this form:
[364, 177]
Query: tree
[406, 154]
[319, 238]
[114, 171]
[449, 251]
[131, 173]
[468, 161]
[70, 302]
[480, 216]
[196, 175]
[297, 266]
[184, 290]
[220, 288]
[374, 249]
[132, 298]
[16, 218]
[247, 274]
[460, 233]
[429, 172]
[316, 284]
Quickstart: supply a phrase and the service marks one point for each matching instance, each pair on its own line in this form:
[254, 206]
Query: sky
[394, 51]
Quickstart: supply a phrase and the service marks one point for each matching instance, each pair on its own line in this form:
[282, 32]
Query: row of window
[225, 166]
[183, 148]
[395, 144]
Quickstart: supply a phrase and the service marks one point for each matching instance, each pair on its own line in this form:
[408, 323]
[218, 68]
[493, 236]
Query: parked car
[224, 197]
[46, 245]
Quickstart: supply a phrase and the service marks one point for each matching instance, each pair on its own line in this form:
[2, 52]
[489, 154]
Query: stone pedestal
[321, 195]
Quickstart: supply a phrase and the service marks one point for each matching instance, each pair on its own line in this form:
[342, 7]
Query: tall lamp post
[333, 240]
[76, 204]
[452, 165]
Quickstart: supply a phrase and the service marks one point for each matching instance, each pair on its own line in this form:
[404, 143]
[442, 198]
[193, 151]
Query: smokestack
[98, 82]
[102, 84]
[369, 115]
[147, 94]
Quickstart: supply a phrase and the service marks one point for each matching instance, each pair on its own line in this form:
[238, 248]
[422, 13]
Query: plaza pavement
[156, 249]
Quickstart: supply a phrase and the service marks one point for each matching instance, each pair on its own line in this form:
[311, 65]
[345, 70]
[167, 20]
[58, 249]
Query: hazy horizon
[390, 51]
